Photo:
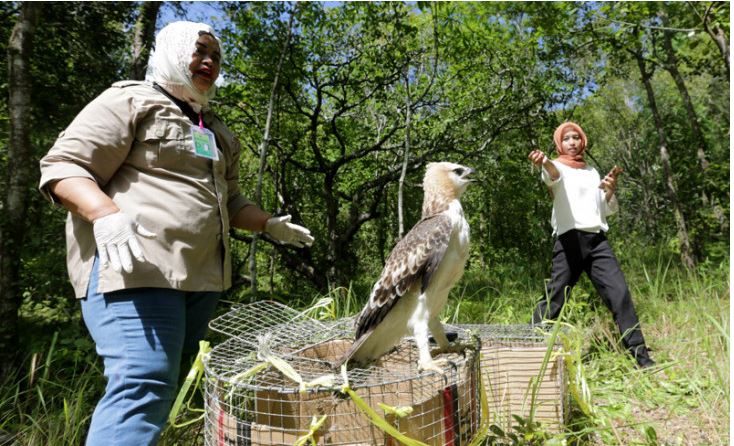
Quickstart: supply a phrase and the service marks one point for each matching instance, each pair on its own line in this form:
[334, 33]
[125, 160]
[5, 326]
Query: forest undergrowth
[683, 400]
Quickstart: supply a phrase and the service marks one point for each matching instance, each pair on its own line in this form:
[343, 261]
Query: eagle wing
[415, 258]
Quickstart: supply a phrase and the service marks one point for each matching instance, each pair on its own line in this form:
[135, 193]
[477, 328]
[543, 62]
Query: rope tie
[398, 411]
[264, 354]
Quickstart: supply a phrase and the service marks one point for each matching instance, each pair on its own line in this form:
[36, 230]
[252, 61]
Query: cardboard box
[508, 371]
[449, 418]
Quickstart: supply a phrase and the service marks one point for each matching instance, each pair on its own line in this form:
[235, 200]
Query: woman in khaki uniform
[150, 177]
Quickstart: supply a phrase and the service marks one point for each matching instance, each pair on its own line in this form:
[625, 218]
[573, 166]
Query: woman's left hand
[609, 182]
[283, 231]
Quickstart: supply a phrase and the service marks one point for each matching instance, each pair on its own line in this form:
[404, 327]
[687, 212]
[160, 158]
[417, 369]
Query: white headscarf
[169, 64]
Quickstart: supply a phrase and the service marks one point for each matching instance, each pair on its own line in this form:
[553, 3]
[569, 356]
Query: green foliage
[80, 51]
[486, 82]
[609, 395]
[53, 402]
[524, 433]
[345, 81]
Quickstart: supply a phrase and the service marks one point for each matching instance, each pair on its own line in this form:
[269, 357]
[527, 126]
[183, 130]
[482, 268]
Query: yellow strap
[345, 378]
[197, 370]
[380, 422]
[479, 438]
[374, 417]
[288, 370]
[194, 376]
[311, 435]
[249, 373]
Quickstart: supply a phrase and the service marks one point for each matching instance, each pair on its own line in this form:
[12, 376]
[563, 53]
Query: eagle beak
[468, 173]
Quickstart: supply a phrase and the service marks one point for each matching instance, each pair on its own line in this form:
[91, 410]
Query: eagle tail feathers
[350, 353]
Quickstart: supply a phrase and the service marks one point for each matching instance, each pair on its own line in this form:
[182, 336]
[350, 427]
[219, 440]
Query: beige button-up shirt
[137, 145]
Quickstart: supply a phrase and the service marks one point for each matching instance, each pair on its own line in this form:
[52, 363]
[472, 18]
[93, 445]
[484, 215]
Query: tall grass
[52, 402]
[684, 400]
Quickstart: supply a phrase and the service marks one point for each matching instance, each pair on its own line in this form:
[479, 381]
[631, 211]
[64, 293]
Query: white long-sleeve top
[578, 203]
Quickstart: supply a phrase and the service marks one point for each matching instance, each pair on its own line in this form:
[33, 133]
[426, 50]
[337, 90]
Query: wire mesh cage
[294, 328]
[275, 381]
[519, 374]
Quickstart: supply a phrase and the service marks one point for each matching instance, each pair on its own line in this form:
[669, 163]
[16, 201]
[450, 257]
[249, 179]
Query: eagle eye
[459, 171]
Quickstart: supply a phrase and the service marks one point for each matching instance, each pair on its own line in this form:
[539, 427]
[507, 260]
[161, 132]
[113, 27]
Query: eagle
[418, 275]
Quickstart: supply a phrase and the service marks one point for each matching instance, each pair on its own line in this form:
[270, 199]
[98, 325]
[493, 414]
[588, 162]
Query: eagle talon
[457, 347]
[460, 347]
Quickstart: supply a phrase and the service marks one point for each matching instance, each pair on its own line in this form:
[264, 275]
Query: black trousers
[576, 252]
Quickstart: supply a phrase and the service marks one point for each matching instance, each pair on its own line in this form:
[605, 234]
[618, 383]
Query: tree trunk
[13, 222]
[143, 37]
[671, 65]
[264, 151]
[719, 37]
[406, 157]
[670, 183]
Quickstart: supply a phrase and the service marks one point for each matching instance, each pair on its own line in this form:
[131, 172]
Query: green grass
[683, 401]
[52, 403]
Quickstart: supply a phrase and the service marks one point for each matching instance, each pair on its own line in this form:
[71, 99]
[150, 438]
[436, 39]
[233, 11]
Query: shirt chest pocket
[158, 143]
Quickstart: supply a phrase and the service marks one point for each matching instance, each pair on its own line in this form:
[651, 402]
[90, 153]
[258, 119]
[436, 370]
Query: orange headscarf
[575, 161]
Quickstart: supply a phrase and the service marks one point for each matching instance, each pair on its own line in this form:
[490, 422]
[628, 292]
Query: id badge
[205, 144]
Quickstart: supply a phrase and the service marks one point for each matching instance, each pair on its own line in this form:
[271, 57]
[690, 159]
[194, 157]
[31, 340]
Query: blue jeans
[141, 334]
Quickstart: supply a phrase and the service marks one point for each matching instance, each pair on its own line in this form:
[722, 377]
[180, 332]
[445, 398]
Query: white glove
[282, 231]
[115, 237]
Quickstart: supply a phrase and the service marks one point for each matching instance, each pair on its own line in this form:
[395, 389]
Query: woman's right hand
[114, 232]
[115, 235]
[537, 157]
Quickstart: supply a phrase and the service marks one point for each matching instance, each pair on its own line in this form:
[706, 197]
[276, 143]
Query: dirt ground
[671, 429]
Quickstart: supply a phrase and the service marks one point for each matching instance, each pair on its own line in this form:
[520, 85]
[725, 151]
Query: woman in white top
[581, 203]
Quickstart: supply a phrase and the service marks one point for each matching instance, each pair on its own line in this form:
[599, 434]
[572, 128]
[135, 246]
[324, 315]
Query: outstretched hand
[283, 231]
[609, 182]
[537, 157]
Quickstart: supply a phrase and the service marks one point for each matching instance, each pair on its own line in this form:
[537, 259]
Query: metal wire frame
[231, 359]
[268, 408]
[522, 333]
[247, 322]
[244, 408]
